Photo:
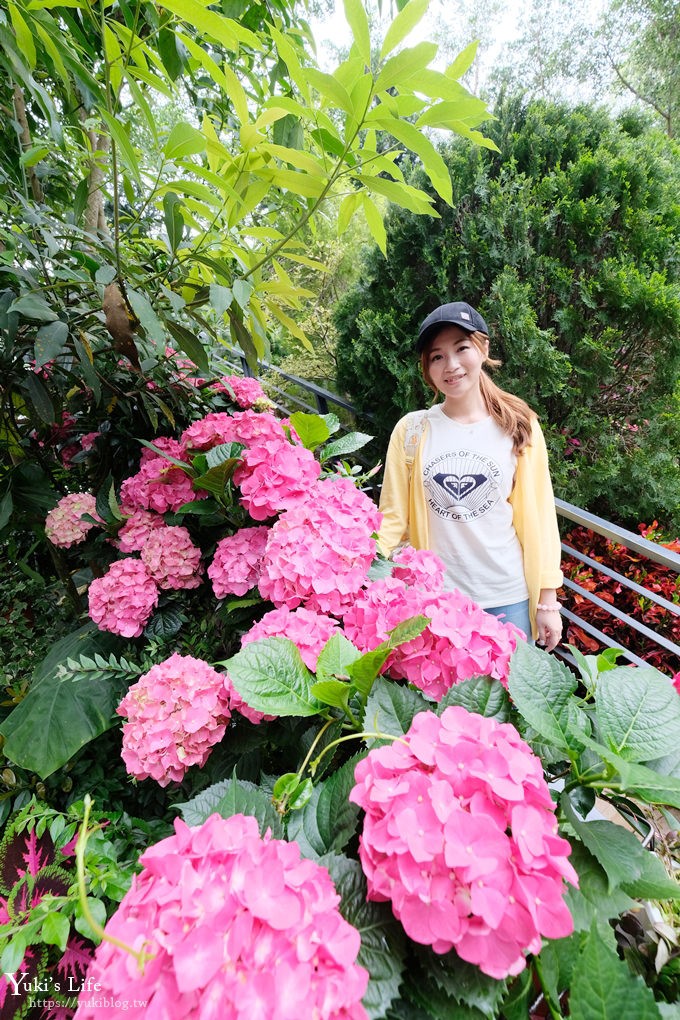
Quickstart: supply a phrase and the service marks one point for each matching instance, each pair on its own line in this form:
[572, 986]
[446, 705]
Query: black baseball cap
[456, 313]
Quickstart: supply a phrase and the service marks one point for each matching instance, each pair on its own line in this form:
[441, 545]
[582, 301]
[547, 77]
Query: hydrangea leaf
[272, 678]
[328, 820]
[335, 658]
[382, 939]
[244, 798]
[592, 901]
[542, 690]
[346, 444]
[311, 428]
[462, 982]
[638, 712]
[204, 804]
[391, 709]
[480, 694]
[603, 987]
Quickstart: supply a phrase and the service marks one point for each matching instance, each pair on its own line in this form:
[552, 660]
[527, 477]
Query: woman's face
[454, 362]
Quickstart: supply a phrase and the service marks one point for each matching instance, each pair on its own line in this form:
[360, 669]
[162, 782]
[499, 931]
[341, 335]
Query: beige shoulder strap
[412, 435]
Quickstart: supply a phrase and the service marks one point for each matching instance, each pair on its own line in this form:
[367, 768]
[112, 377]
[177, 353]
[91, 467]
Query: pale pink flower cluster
[308, 630]
[175, 713]
[64, 524]
[172, 559]
[237, 926]
[461, 640]
[460, 835]
[275, 475]
[158, 485]
[319, 554]
[247, 391]
[136, 530]
[420, 567]
[235, 568]
[123, 599]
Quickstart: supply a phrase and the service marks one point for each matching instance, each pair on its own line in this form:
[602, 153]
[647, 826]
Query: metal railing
[324, 400]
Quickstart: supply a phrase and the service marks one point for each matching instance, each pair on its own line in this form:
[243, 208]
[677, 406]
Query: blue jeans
[517, 613]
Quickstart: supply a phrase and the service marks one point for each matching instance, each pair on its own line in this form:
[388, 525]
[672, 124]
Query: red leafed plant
[645, 572]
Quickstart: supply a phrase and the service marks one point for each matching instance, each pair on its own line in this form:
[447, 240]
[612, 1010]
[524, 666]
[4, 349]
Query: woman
[469, 479]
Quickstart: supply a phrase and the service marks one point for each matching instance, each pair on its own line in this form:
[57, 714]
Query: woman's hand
[548, 620]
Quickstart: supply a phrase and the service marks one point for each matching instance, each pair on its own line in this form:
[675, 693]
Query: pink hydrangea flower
[275, 475]
[158, 485]
[172, 559]
[88, 440]
[460, 835]
[319, 553]
[219, 427]
[237, 926]
[420, 567]
[308, 630]
[64, 524]
[247, 392]
[123, 599]
[137, 528]
[235, 568]
[461, 640]
[237, 704]
[175, 713]
[165, 443]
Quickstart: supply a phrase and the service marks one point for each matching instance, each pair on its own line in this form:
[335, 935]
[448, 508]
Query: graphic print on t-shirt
[462, 485]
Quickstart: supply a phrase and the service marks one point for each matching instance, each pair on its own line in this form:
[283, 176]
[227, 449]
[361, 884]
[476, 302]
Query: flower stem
[553, 1008]
[353, 736]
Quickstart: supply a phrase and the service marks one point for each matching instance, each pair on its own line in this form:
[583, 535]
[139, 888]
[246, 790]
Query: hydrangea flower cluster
[220, 427]
[237, 925]
[460, 835]
[419, 567]
[136, 530]
[461, 640]
[175, 713]
[235, 568]
[275, 475]
[123, 599]
[159, 485]
[172, 559]
[247, 391]
[64, 524]
[308, 630]
[318, 554]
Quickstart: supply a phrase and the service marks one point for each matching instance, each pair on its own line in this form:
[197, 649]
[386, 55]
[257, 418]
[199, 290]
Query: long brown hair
[511, 413]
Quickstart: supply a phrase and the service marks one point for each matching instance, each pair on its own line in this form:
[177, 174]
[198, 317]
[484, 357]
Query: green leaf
[311, 428]
[243, 798]
[55, 930]
[375, 222]
[59, 715]
[405, 65]
[50, 341]
[148, 319]
[383, 946]
[603, 987]
[464, 982]
[39, 397]
[123, 144]
[242, 289]
[404, 195]
[6, 508]
[618, 850]
[204, 804]
[542, 689]
[215, 479]
[33, 306]
[164, 623]
[183, 140]
[642, 782]
[480, 694]
[638, 712]
[271, 677]
[174, 221]
[391, 708]
[98, 912]
[593, 901]
[223, 454]
[328, 820]
[418, 142]
[405, 21]
[220, 297]
[190, 344]
[355, 14]
[345, 444]
[169, 53]
[336, 657]
[13, 954]
[332, 692]
[463, 61]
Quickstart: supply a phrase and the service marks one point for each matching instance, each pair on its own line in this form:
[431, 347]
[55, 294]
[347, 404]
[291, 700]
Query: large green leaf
[405, 21]
[345, 444]
[542, 689]
[391, 709]
[480, 694]
[40, 398]
[638, 712]
[311, 428]
[328, 820]
[593, 901]
[382, 939]
[190, 344]
[33, 306]
[271, 677]
[603, 987]
[50, 341]
[358, 23]
[462, 981]
[59, 715]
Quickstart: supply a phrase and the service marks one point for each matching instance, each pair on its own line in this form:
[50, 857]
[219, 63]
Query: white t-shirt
[468, 472]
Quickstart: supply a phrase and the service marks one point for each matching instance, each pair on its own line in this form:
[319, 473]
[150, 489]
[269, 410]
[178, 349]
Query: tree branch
[22, 120]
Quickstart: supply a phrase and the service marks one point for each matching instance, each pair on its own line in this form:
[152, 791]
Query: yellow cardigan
[405, 519]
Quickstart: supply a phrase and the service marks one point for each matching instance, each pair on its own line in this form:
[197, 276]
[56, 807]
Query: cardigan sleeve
[394, 496]
[540, 534]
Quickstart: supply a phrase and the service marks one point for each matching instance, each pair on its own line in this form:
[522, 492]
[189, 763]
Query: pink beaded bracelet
[549, 609]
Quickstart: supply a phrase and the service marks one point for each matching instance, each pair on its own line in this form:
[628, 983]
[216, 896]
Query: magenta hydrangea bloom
[237, 926]
[235, 568]
[175, 713]
[420, 567]
[159, 485]
[165, 443]
[320, 553]
[172, 559]
[461, 640]
[246, 390]
[275, 475]
[64, 524]
[123, 599]
[460, 835]
[219, 427]
[137, 528]
[308, 630]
